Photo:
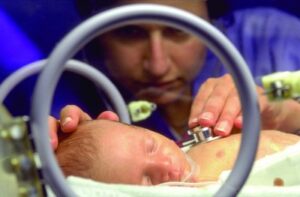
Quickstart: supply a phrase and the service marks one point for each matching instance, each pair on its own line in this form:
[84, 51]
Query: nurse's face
[135, 155]
[155, 62]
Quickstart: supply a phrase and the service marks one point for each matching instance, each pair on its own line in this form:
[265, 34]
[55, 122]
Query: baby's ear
[108, 115]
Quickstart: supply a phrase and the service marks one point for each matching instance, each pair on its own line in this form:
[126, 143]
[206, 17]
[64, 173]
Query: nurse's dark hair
[87, 8]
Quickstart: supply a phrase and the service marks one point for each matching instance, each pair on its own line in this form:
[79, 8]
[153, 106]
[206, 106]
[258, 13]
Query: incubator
[28, 166]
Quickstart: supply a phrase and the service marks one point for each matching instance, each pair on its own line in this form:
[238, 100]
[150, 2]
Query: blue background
[29, 29]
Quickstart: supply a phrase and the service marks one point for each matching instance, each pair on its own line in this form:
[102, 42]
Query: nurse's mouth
[153, 90]
[163, 85]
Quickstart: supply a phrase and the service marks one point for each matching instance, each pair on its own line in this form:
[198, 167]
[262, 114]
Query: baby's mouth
[175, 174]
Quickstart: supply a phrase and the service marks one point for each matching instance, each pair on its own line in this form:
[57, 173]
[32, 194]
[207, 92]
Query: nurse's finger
[200, 100]
[229, 114]
[108, 115]
[71, 116]
[238, 122]
[53, 128]
[215, 103]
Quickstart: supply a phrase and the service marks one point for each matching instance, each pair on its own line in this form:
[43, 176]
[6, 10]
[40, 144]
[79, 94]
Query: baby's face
[134, 155]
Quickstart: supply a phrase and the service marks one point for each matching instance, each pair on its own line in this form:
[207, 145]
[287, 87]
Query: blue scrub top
[268, 39]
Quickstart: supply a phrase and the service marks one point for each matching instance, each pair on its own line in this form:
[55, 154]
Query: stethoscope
[198, 135]
[100, 23]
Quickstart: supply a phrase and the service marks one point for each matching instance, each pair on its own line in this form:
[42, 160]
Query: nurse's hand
[217, 105]
[70, 117]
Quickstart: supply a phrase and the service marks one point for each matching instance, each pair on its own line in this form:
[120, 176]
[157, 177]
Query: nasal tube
[188, 180]
[194, 169]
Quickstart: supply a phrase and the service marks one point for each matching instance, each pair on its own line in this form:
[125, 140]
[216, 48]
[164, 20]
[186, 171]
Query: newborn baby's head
[114, 152]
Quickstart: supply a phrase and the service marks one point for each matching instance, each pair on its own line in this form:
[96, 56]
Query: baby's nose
[161, 163]
[159, 168]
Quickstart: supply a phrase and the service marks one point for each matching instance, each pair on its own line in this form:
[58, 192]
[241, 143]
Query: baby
[114, 152]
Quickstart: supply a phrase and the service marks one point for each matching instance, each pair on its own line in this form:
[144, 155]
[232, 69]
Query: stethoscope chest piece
[198, 135]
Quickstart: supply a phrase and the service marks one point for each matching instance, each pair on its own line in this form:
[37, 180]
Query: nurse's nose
[157, 62]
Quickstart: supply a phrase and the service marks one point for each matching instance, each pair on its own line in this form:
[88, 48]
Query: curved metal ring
[107, 20]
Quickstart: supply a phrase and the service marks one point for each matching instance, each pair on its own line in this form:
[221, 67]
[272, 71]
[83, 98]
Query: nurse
[176, 71]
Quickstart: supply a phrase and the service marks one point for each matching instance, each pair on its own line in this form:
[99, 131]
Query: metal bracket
[199, 135]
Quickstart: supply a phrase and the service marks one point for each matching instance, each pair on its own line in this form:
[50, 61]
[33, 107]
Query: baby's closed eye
[151, 145]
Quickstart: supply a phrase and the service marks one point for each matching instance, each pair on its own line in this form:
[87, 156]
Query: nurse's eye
[130, 33]
[175, 34]
[151, 145]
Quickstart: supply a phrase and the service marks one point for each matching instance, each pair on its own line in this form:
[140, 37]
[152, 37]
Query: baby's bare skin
[217, 156]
